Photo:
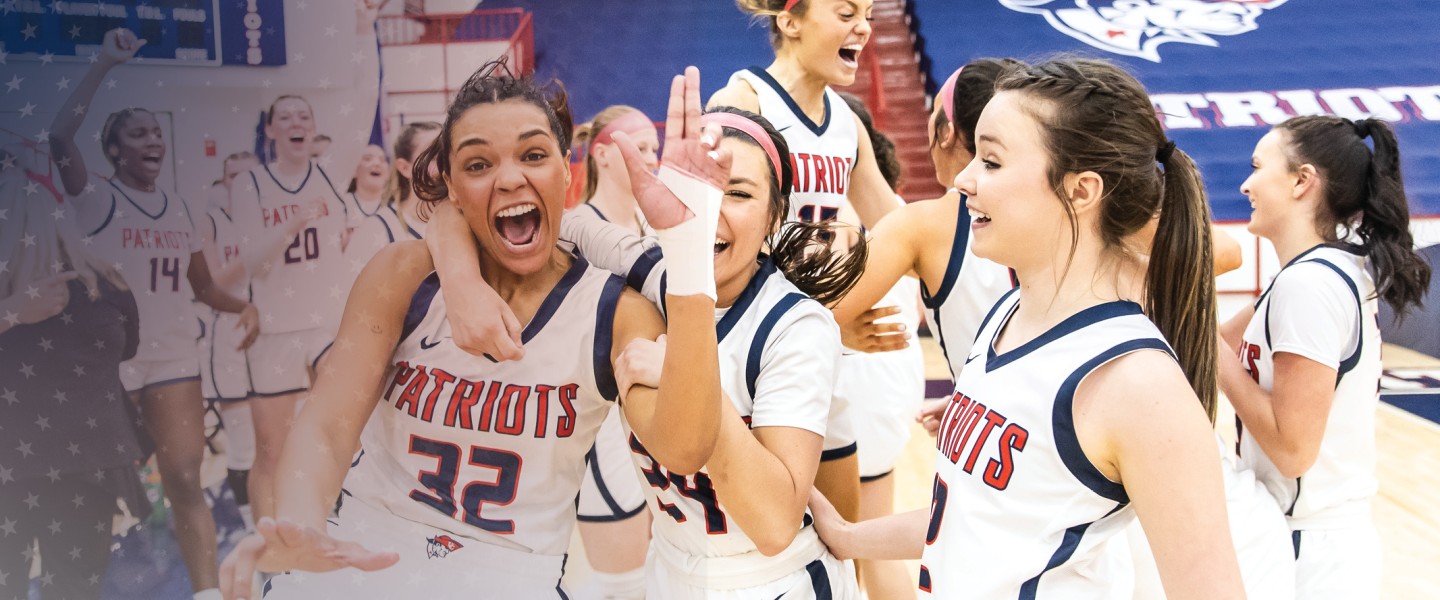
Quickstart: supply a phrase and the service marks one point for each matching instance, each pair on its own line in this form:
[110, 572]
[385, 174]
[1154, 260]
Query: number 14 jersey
[149, 237]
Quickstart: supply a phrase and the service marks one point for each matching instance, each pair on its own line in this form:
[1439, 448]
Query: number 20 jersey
[1017, 509]
[492, 451]
[308, 282]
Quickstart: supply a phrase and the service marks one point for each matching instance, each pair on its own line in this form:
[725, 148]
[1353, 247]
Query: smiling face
[291, 125]
[831, 35]
[1271, 186]
[746, 217]
[508, 178]
[1010, 199]
[373, 169]
[137, 147]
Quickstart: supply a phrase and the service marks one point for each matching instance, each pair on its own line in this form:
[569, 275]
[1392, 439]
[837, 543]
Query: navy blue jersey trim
[388, 232]
[170, 381]
[870, 478]
[762, 334]
[939, 331]
[640, 271]
[164, 205]
[957, 260]
[315, 364]
[804, 119]
[1076, 322]
[592, 460]
[554, 299]
[597, 212]
[1295, 541]
[1063, 420]
[108, 217]
[333, 190]
[994, 309]
[604, 339]
[419, 305]
[747, 297]
[1353, 360]
[1068, 545]
[309, 168]
[839, 453]
[361, 208]
[819, 580]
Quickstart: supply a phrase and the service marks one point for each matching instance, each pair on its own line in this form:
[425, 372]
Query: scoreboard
[192, 32]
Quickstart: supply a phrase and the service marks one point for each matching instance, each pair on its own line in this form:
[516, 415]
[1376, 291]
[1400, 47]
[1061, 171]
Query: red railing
[512, 25]
[875, 96]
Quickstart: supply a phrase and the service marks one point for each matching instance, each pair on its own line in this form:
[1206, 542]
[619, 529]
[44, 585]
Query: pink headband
[631, 122]
[946, 97]
[789, 4]
[750, 128]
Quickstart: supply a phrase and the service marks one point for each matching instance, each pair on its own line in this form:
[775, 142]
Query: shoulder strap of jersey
[343, 206]
[605, 336]
[1349, 363]
[762, 334]
[419, 305]
[108, 216]
[388, 232]
[956, 262]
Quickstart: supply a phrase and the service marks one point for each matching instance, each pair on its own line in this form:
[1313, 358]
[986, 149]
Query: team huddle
[708, 368]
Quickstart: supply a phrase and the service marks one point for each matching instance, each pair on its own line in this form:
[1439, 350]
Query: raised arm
[119, 46]
[326, 433]
[490, 328]
[350, 111]
[869, 193]
[892, 254]
[637, 258]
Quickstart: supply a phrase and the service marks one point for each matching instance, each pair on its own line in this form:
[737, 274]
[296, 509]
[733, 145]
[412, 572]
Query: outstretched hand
[690, 148]
[286, 546]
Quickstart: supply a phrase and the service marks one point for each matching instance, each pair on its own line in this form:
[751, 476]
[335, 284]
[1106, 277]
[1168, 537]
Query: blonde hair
[767, 10]
[585, 134]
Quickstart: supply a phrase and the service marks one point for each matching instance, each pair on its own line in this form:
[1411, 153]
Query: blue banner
[252, 32]
[174, 30]
[1221, 72]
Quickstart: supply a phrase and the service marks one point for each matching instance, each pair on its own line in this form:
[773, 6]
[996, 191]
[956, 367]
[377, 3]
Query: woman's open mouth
[518, 225]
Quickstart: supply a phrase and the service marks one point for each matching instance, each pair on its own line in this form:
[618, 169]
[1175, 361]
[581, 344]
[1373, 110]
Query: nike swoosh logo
[782, 129]
[426, 346]
[967, 359]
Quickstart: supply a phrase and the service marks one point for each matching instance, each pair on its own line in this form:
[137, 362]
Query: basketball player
[1304, 387]
[296, 218]
[1048, 439]
[149, 234]
[817, 44]
[398, 216]
[224, 372]
[471, 501]
[614, 525]
[366, 193]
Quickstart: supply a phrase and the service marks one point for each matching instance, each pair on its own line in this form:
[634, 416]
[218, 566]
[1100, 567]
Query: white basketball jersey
[491, 451]
[968, 292]
[396, 228]
[777, 352]
[357, 210]
[1018, 510]
[149, 236]
[305, 287]
[822, 154]
[1322, 306]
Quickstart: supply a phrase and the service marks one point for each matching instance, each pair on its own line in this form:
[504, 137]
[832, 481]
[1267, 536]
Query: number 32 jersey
[494, 452]
[307, 284]
[149, 236]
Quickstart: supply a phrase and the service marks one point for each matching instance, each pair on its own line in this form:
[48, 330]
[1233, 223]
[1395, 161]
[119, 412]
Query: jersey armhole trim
[419, 305]
[762, 335]
[1063, 420]
[1350, 362]
[604, 338]
[953, 266]
[108, 217]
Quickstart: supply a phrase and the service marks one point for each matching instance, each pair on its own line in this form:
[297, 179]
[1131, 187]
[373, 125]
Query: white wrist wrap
[690, 246]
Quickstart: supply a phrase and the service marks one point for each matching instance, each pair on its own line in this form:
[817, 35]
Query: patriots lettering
[965, 420]
[820, 173]
[154, 239]
[433, 395]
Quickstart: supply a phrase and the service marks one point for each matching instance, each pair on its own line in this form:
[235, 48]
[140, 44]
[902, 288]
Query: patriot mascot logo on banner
[1138, 27]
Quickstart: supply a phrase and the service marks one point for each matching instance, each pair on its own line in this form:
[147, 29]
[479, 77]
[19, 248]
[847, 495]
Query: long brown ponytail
[1100, 119]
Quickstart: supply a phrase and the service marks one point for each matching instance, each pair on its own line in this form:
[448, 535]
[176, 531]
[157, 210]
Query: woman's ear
[1306, 180]
[1085, 189]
